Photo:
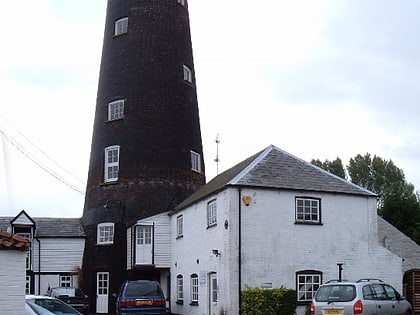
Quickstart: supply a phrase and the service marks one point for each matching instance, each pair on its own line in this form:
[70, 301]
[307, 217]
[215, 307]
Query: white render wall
[193, 253]
[274, 252]
[12, 279]
[274, 248]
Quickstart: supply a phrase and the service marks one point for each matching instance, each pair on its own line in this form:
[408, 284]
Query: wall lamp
[216, 252]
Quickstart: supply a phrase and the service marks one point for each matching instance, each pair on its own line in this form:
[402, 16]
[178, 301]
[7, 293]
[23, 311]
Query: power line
[39, 163]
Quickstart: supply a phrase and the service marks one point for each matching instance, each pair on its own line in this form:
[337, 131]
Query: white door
[102, 289]
[144, 244]
[213, 291]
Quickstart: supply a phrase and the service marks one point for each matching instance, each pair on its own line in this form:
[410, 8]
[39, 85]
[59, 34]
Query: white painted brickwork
[274, 248]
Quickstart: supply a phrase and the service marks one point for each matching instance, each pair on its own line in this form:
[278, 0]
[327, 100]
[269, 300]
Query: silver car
[45, 305]
[363, 297]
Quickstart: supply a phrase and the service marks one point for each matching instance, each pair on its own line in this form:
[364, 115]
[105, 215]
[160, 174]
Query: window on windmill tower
[112, 160]
[195, 161]
[121, 26]
[183, 2]
[105, 233]
[116, 110]
[187, 74]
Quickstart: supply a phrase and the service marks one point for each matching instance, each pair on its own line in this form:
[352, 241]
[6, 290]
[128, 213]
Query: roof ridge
[251, 165]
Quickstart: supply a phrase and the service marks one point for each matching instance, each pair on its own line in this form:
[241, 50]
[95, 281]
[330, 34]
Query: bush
[280, 301]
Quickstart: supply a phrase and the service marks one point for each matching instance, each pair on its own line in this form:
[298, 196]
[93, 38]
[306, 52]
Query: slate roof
[13, 241]
[277, 169]
[51, 227]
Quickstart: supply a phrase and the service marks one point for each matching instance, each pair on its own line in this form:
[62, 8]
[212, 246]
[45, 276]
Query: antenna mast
[217, 160]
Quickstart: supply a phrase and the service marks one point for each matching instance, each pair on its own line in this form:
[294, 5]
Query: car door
[394, 298]
[383, 304]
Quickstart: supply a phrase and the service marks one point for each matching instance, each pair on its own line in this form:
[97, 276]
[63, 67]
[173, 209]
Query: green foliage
[335, 167]
[257, 301]
[398, 203]
[375, 174]
[401, 209]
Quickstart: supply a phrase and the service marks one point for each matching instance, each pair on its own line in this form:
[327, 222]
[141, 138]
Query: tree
[335, 167]
[402, 209]
[398, 202]
[375, 174]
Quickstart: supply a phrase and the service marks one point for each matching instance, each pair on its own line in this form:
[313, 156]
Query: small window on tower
[121, 26]
[183, 2]
[112, 160]
[105, 233]
[187, 74]
[195, 162]
[116, 110]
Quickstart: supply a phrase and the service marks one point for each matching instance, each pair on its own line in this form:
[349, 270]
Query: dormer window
[187, 74]
[116, 110]
[121, 26]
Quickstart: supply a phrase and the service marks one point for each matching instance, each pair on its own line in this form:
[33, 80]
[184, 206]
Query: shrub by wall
[279, 301]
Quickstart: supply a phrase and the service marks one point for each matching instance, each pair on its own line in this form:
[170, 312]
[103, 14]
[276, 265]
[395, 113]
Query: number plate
[143, 302]
[333, 311]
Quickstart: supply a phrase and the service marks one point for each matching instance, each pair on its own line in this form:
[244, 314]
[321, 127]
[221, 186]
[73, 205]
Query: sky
[319, 79]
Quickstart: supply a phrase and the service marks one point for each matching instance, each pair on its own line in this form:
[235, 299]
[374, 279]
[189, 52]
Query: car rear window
[336, 292]
[142, 289]
[63, 291]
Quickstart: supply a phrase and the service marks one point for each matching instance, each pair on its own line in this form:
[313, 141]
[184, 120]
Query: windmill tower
[146, 154]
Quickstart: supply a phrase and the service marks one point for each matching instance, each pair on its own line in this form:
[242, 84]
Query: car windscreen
[336, 293]
[142, 289]
[52, 305]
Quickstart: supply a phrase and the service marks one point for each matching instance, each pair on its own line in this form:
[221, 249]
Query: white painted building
[56, 253]
[273, 220]
[149, 248]
[13, 250]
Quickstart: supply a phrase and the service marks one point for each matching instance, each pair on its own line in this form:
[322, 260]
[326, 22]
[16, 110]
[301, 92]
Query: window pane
[307, 210]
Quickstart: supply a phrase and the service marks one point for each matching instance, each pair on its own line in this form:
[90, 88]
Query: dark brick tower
[146, 153]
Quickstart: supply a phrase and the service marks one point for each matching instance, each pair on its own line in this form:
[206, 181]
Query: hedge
[279, 301]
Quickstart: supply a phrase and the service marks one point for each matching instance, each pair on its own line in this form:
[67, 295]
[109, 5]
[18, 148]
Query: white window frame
[66, 281]
[308, 210]
[307, 283]
[194, 288]
[116, 110]
[121, 26]
[144, 235]
[27, 284]
[179, 226]
[212, 212]
[180, 288]
[112, 161]
[187, 74]
[183, 2]
[195, 161]
[105, 233]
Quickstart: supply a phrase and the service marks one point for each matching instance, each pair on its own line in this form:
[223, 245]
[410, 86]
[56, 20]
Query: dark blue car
[141, 297]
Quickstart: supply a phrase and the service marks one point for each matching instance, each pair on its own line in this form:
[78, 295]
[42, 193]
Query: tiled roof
[13, 241]
[51, 227]
[275, 168]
